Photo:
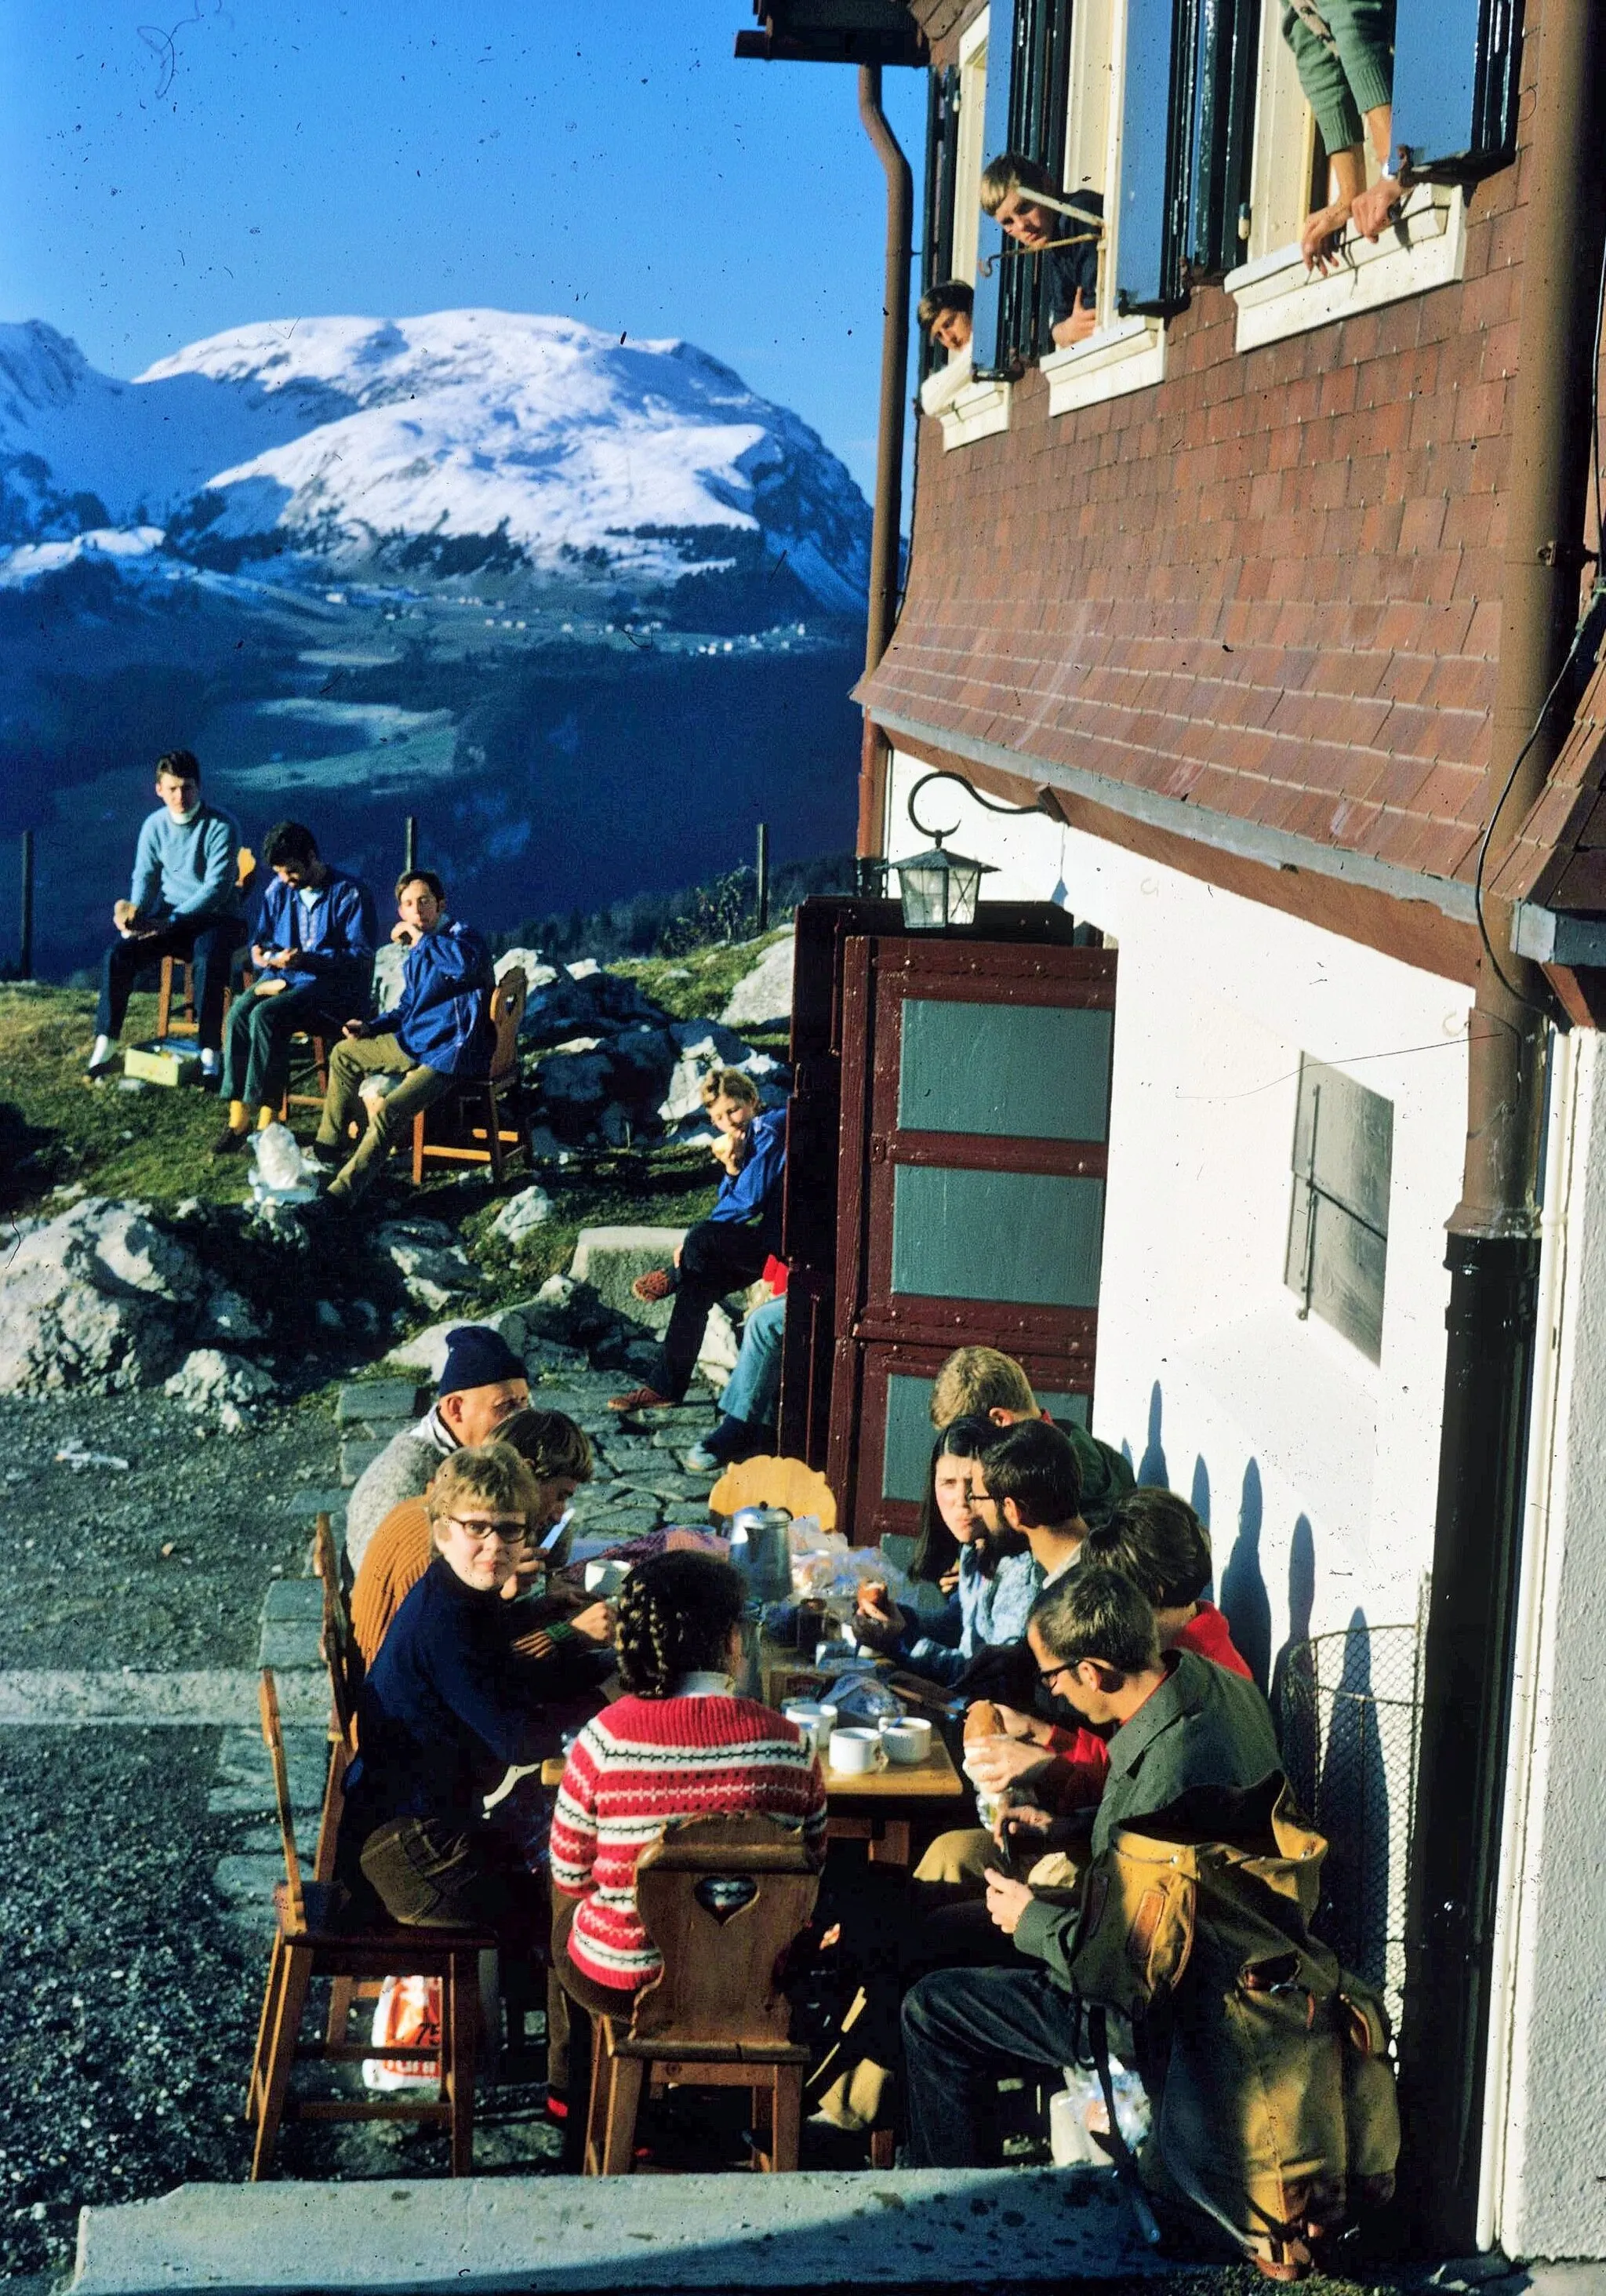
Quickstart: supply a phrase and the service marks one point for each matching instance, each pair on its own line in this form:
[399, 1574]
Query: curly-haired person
[680, 1743]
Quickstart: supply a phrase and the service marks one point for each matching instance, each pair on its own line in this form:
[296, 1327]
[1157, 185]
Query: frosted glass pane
[1007, 1071]
[910, 1434]
[1031, 1239]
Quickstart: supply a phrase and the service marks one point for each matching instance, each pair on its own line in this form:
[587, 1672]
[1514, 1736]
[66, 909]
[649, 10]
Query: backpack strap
[1126, 2165]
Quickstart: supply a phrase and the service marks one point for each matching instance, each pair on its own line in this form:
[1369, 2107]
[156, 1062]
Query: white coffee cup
[815, 1717]
[907, 1739]
[854, 1752]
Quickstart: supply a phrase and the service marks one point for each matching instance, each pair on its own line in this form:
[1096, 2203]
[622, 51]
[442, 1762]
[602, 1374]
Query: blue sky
[172, 168]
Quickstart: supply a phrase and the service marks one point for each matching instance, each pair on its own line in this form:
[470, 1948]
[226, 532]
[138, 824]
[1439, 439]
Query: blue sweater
[186, 869]
[756, 1188]
[448, 1704]
[443, 1018]
[982, 1613]
[334, 935]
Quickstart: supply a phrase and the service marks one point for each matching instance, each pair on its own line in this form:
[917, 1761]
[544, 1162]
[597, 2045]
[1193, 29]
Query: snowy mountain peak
[359, 444]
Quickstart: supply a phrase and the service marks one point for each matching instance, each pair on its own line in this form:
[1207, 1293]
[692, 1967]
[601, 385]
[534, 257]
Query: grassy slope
[57, 1129]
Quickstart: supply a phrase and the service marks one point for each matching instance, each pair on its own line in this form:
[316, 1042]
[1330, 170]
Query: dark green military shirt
[1203, 1727]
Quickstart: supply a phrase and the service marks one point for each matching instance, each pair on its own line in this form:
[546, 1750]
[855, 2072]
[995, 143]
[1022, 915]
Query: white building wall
[1316, 1468]
[1545, 2195]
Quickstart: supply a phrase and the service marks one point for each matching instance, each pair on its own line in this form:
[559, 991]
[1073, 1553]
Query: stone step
[357, 1453]
[365, 1401]
[816, 2228]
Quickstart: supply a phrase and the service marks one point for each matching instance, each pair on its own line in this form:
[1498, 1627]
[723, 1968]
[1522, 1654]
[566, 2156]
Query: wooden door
[975, 1103]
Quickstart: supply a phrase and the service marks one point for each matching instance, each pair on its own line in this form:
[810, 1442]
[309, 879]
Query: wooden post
[410, 848]
[25, 945]
[763, 874]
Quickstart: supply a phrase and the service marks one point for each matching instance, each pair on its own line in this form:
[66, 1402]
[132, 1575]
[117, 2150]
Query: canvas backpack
[1266, 2065]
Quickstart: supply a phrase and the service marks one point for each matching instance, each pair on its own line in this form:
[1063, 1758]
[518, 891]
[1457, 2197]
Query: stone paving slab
[310, 1503]
[357, 1453]
[816, 2228]
[289, 1644]
[377, 1398]
[293, 1598]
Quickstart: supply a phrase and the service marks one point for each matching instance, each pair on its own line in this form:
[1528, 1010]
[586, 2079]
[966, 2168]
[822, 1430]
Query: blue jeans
[962, 2030]
[207, 943]
[754, 1387]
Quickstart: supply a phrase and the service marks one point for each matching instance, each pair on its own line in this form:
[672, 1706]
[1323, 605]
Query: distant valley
[588, 609]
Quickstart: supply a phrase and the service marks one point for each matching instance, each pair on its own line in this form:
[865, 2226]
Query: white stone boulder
[522, 1215]
[426, 1352]
[100, 1297]
[222, 1386]
[762, 998]
[432, 1264]
[611, 1259]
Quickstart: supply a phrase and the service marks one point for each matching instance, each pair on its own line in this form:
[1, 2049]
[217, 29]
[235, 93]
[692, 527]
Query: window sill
[1276, 297]
[1127, 355]
[981, 410]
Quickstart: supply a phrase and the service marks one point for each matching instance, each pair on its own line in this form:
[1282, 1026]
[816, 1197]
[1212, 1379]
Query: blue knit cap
[476, 1356]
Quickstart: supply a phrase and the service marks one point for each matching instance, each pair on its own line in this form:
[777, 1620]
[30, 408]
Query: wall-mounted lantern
[939, 889]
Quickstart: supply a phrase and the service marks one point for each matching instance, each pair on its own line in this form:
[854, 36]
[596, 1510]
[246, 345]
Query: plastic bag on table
[406, 2016]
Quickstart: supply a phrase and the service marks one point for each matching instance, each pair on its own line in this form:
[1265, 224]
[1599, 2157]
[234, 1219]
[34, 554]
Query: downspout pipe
[887, 519]
[1493, 1253]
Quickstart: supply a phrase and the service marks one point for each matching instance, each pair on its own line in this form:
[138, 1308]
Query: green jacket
[1344, 50]
[1203, 1727]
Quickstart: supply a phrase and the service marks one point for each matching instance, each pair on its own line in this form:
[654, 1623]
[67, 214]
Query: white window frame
[974, 409]
[1275, 294]
[1122, 355]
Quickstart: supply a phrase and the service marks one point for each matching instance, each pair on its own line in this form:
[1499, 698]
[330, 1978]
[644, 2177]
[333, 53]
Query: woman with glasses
[989, 1576]
[447, 1707]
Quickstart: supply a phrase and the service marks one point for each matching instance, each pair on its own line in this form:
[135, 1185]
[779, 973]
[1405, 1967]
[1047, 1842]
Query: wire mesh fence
[1350, 1717]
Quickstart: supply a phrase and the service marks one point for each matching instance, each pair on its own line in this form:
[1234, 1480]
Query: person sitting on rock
[314, 950]
[945, 314]
[558, 1453]
[481, 1382]
[728, 1249]
[439, 1030]
[746, 1408]
[1069, 243]
[183, 902]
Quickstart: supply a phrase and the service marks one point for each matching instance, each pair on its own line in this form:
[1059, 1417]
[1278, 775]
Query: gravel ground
[129, 2004]
[85, 1577]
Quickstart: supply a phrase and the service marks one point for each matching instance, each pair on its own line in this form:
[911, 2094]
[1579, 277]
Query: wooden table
[884, 1806]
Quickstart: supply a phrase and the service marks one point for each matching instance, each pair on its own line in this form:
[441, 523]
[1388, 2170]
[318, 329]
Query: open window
[1455, 87]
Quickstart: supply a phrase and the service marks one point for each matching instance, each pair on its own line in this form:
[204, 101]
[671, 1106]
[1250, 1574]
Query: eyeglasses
[1047, 1674]
[509, 1531]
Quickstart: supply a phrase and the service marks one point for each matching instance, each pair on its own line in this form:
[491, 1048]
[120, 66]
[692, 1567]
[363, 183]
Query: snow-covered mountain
[418, 449]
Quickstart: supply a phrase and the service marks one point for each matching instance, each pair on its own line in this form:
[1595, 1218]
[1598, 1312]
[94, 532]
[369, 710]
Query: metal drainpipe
[884, 536]
[1493, 1254]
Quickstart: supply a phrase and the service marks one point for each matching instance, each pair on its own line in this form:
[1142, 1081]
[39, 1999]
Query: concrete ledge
[819, 2228]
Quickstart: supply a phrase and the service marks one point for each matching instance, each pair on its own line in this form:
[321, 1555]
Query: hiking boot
[229, 1142]
[656, 1284]
[641, 1399]
[731, 1440]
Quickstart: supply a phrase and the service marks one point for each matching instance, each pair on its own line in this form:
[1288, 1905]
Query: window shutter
[1221, 133]
[1157, 107]
[1457, 64]
[942, 155]
[992, 352]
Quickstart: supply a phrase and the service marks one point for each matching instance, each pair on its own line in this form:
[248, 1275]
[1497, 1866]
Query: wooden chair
[788, 1483]
[179, 972]
[481, 1096]
[308, 1946]
[722, 1899]
[313, 1051]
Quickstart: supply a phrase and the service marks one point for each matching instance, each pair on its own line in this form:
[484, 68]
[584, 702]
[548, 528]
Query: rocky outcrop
[106, 1297]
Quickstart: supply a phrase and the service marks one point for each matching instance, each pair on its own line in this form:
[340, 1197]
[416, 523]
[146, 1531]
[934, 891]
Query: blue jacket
[335, 935]
[448, 1704]
[755, 1191]
[983, 1613]
[186, 869]
[442, 1019]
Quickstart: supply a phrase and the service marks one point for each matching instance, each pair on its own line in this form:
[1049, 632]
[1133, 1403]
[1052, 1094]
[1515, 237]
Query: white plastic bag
[406, 2016]
[1078, 2121]
[282, 1175]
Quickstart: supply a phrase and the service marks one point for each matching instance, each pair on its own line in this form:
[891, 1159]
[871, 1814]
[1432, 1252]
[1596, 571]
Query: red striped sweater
[642, 1762]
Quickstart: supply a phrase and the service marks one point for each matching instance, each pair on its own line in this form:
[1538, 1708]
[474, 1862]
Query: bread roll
[983, 1720]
